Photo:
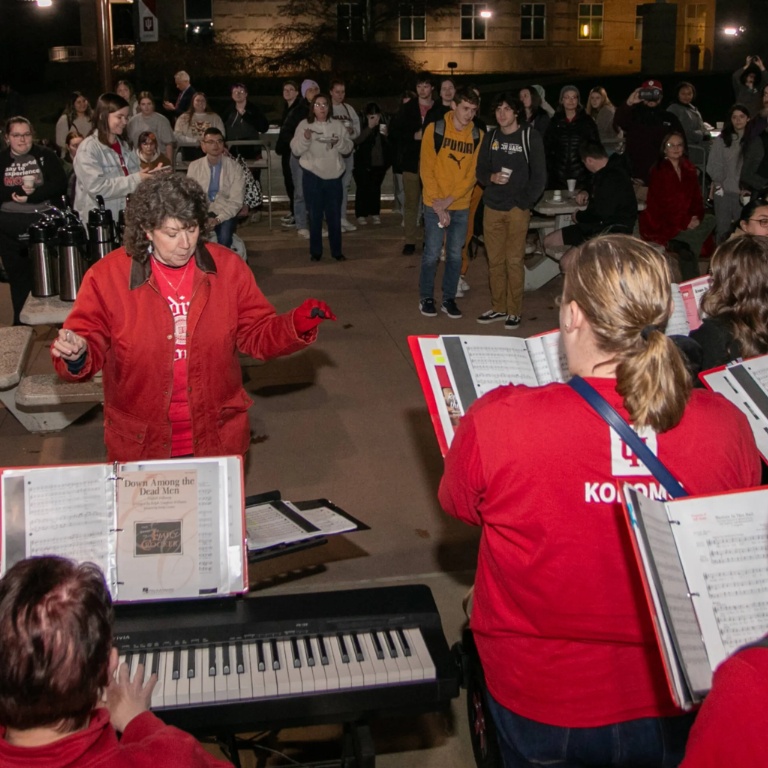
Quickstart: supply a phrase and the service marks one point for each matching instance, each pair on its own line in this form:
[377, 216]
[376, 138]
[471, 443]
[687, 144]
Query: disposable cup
[571, 185]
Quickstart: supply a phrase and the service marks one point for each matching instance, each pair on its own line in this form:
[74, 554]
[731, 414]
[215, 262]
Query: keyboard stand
[357, 748]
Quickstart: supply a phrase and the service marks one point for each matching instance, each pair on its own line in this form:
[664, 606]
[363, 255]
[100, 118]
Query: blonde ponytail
[623, 287]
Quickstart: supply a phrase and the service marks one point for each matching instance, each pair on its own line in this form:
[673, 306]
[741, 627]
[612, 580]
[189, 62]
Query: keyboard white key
[290, 666]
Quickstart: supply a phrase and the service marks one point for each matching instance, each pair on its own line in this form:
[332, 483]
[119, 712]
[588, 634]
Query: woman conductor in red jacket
[674, 216]
[164, 317]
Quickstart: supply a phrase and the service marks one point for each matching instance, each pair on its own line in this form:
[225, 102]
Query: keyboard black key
[275, 654]
[404, 644]
[129, 661]
[239, 660]
[212, 661]
[143, 661]
[377, 645]
[156, 663]
[323, 650]
[260, 656]
[176, 663]
[343, 649]
[225, 658]
[295, 653]
[310, 653]
[190, 662]
[359, 655]
[391, 647]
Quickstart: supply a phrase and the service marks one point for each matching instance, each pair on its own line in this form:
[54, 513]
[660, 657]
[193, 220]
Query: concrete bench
[556, 252]
[15, 344]
[542, 222]
[46, 403]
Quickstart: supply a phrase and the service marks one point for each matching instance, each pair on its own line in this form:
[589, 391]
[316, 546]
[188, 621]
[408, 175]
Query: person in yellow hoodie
[449, 150]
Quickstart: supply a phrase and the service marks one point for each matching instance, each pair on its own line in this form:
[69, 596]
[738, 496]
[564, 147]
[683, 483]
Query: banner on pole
[148, 32]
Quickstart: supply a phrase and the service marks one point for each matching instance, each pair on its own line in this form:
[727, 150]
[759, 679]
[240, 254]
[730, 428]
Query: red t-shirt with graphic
[175, 285]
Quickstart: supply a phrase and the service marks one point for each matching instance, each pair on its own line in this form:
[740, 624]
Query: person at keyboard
[60, 701]
[560, 618]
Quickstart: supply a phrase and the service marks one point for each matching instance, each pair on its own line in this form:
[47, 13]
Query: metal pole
[103, 45]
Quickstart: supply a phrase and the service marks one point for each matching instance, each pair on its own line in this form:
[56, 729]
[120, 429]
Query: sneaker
[315, 257]
[450, 309]
[347, 226]
[288, 221]
[491, 316]
[303, 233]
[512, 322]
[530, 248]
[459, 293]
[376, 219]
[409, 249]
[362, 221]
[427, 308]
[463, 284]
[340, 257]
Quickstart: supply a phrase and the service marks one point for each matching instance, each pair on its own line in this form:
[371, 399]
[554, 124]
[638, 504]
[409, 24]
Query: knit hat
[306, 85]
[540, 90]
[648, 84]
[565, 90]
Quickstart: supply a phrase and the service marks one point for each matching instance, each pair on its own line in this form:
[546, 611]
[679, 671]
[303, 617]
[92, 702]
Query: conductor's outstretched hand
[308, 315]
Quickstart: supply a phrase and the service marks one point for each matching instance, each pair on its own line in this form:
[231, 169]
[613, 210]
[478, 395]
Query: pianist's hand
[128, 698]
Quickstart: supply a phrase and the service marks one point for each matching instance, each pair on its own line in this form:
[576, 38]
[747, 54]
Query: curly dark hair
[737, 293]
[169, 196]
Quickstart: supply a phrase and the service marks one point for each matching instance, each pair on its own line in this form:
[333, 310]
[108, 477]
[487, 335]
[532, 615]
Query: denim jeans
[648, 742]
[453, 235]
[299, 206]
[224, 232]
[323, 196]
[346, 180]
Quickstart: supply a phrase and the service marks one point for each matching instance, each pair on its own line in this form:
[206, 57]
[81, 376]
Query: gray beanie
[565, 90]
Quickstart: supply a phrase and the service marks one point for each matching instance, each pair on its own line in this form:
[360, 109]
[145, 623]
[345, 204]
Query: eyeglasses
[214, 141]
[320, 104]
[762, 222]
[674, 146]
[20, 135]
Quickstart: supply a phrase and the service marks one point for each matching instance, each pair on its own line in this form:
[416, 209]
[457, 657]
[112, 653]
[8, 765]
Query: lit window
[349, 22]
[590, 21]
[474, 21]
[413, 21]
[533, 21]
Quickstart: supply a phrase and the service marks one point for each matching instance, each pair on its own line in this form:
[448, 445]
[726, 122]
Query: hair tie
[648, 330]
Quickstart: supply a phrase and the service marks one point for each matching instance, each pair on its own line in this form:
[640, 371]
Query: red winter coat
[129, 329]
[672, 201]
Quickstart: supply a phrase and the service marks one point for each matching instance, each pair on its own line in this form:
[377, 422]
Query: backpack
[526, 142]
[440, 134]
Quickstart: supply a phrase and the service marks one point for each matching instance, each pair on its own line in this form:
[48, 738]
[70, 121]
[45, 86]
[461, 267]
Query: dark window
[533, 21]
[474, 21]
[413, 21]
[349, 22]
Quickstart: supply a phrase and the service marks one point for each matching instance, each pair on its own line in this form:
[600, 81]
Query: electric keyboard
[275, 661]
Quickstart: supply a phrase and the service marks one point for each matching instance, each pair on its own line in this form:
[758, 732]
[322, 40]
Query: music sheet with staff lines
[721, 547]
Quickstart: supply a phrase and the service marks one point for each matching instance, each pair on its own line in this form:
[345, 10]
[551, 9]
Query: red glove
[308, 315]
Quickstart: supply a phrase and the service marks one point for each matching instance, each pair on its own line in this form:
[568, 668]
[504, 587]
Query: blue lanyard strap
[628, 435]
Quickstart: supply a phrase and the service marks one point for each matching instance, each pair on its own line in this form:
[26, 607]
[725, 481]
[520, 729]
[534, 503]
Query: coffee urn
[71, 263]
[43, 252]
[101, 232]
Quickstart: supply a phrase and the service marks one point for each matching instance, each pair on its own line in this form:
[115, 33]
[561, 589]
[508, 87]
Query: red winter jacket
[129, 329]
[672, 201]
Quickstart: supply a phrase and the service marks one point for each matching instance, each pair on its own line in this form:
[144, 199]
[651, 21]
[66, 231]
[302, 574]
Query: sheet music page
[159, 545]
[681, 692]
[723, 544]
[497, 360]
[548, 357]
[219, 519]
[327, 521]
[691, 292]
[63, 511]
[679, 610]
[677, 325]
[277, 522]
[728, 386]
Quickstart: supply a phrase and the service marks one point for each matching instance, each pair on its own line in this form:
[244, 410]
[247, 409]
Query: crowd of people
[568, 648]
